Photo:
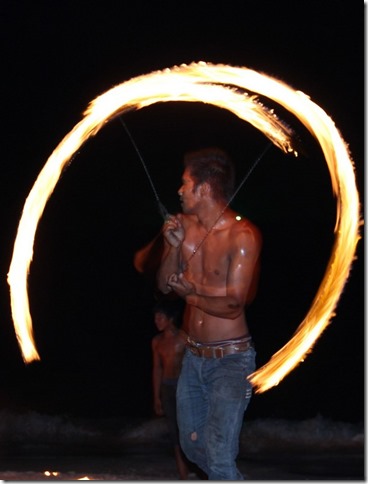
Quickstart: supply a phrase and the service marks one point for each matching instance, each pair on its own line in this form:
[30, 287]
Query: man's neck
[211, 215]
[170, 330]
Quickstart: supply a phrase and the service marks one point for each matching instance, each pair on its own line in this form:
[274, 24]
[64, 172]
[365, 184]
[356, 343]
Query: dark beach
[38, 447]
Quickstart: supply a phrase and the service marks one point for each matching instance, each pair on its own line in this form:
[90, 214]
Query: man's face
[161, 321]
[189, 193]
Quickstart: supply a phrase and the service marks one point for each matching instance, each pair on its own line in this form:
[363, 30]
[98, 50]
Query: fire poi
[235, 89]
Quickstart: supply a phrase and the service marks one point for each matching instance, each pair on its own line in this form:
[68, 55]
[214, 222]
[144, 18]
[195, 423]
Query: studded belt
[219, 349]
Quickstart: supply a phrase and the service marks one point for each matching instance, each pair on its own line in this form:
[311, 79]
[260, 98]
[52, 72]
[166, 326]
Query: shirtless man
[167, 351]
[211, 260]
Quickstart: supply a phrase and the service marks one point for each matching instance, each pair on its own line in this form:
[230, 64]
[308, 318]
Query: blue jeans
[212, 396]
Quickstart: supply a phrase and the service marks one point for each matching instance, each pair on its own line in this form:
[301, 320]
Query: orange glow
[222, 86]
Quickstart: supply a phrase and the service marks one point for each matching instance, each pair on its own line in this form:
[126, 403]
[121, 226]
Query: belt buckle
[215, 351]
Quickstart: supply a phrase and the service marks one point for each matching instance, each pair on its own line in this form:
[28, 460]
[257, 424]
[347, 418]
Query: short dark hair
[171, 308]
[214, 166]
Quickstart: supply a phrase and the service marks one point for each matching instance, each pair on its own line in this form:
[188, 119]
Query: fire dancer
[167, 350]
[211, 260]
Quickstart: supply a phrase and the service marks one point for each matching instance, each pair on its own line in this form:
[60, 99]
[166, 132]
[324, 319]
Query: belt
[215, 351]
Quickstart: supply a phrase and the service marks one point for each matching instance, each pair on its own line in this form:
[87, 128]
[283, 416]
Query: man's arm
[170, 263]
[174, 233]
[147, 259]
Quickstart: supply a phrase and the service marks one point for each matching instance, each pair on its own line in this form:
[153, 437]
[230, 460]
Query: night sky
[91, 310]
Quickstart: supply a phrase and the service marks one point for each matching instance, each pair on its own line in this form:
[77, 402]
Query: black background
[91, 311]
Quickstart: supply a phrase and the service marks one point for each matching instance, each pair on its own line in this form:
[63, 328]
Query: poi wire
[161, 207]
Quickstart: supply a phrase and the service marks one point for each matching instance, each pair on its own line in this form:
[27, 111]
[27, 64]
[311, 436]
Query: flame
[225, 87]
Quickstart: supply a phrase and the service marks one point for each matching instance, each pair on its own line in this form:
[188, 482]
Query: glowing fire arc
[216, 85]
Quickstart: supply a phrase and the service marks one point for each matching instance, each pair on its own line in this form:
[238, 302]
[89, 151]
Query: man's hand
[181, 285]
[173, 231]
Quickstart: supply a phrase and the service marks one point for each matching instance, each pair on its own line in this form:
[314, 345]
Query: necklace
[200, 243]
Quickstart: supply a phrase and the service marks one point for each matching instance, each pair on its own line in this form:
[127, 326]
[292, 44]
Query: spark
[225, 87]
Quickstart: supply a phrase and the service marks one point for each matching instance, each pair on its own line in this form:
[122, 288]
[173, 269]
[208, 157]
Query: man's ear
[205, 189]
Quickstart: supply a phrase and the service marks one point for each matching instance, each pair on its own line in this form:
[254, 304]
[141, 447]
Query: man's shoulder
[156, 339]
[245, 227]
[242, 223]
[181, 337]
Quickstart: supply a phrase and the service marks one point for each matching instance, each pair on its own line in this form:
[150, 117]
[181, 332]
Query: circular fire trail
[226, 87]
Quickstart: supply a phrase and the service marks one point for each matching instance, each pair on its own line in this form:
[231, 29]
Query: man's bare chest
[208, 259]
